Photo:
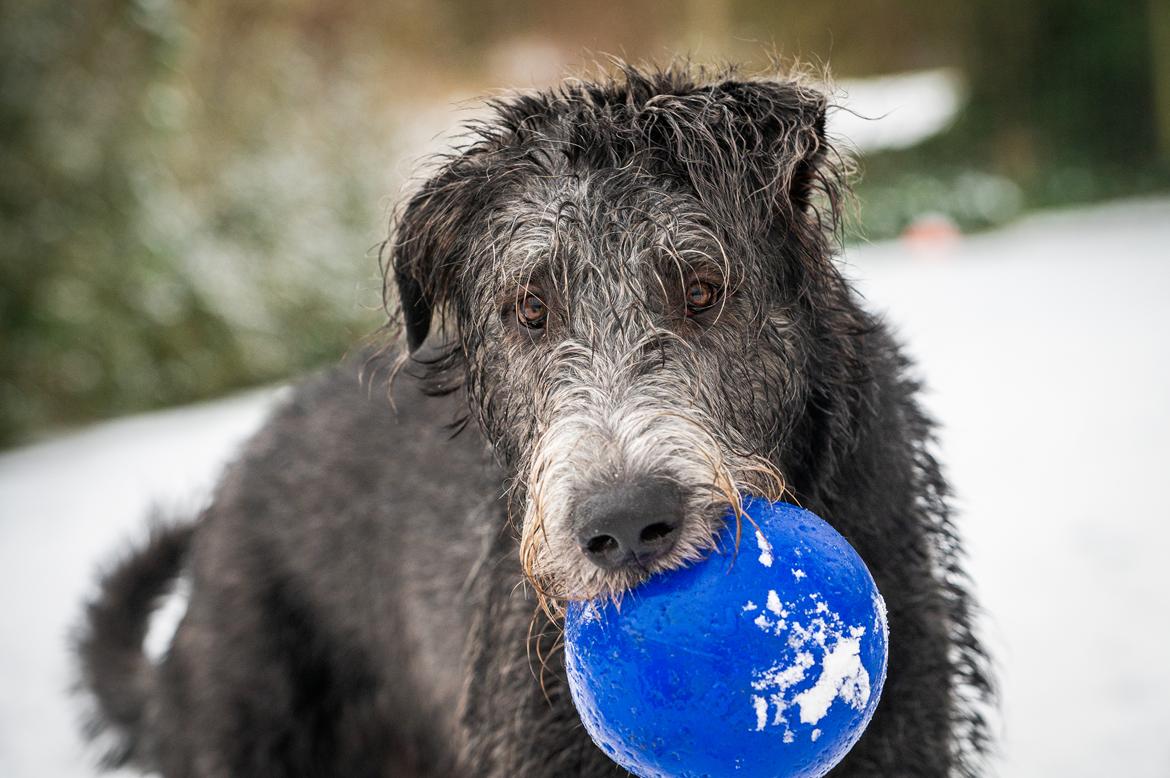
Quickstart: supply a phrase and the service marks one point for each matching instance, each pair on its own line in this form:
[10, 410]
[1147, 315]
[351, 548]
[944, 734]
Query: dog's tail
[114, 668]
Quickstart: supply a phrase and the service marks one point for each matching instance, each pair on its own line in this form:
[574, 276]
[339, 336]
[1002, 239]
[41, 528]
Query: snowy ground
[1044, 345]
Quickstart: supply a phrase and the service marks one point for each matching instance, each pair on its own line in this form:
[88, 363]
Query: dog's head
[638, 297]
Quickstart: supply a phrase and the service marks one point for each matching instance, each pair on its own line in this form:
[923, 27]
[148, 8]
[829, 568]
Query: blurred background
[192, 195]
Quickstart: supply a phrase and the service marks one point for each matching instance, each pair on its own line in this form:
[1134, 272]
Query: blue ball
[768, 662]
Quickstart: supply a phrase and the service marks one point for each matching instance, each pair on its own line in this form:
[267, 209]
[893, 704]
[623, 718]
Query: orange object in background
[931, 235]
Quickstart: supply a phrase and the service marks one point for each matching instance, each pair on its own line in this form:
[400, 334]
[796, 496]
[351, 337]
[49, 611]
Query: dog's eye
[701, 295]
[531, 312]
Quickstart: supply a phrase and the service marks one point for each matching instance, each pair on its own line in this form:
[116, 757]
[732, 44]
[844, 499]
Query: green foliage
[144, 259]
[1060, 111]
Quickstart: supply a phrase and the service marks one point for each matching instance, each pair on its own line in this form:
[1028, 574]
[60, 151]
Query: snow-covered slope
[1044, 349]
[65, 507]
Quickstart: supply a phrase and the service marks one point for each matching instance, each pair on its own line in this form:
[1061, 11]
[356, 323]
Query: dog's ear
[754, 148]
[812, 154]
[430, 242]
[416, 310]
[780, 129]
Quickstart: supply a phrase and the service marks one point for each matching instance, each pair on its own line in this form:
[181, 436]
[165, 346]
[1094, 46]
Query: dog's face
[631, 271]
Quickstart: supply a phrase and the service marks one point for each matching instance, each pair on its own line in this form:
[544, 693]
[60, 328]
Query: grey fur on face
[624, 386]
[623, 382]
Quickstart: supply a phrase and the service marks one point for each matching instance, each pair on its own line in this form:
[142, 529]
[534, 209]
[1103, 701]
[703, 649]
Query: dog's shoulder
[351, 435]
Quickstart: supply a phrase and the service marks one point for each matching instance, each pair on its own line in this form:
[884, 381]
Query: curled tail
[114, 668]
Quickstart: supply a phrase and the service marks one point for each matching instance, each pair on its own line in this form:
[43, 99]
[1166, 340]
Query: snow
[776, 681]
[774, 604]
[808, 628]
[1045, 349]
[842, 675]
[65, 506]
[761, 707]
[1044, 346]
[895, 111]
[765, 549]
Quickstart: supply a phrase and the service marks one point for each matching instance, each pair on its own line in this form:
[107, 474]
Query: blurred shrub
[972, 199]
[1063, 108]
[155, 249]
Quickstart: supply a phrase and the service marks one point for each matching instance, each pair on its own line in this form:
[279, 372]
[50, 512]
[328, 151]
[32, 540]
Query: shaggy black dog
[636, 303]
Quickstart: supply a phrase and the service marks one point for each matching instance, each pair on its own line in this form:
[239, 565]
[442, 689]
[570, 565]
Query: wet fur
[359, 599]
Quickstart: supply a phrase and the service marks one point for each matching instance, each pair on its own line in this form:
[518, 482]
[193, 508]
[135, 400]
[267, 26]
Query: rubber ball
[762, 660]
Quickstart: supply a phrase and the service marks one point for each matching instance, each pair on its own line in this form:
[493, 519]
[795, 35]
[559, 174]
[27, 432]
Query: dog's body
[358, 604]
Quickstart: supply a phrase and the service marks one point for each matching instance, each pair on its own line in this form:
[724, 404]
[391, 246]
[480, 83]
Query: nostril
[602, 545]
[656, 532]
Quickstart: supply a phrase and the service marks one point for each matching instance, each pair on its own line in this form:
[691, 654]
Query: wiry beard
[589, 443]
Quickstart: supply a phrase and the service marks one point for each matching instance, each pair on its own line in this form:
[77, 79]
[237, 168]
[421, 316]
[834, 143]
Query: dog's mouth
[608, 564]
[611, 500]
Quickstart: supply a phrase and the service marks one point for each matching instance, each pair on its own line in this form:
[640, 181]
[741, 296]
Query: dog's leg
[910, 734]
[254, 685]
[517, 715]
[930, 722]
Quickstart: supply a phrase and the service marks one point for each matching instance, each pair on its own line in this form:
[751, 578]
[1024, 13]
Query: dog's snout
[629, 523]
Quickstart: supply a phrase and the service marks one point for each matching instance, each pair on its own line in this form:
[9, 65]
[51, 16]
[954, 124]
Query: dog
[619, 313]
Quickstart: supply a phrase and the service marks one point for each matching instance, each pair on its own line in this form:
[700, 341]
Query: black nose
[631, 522]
